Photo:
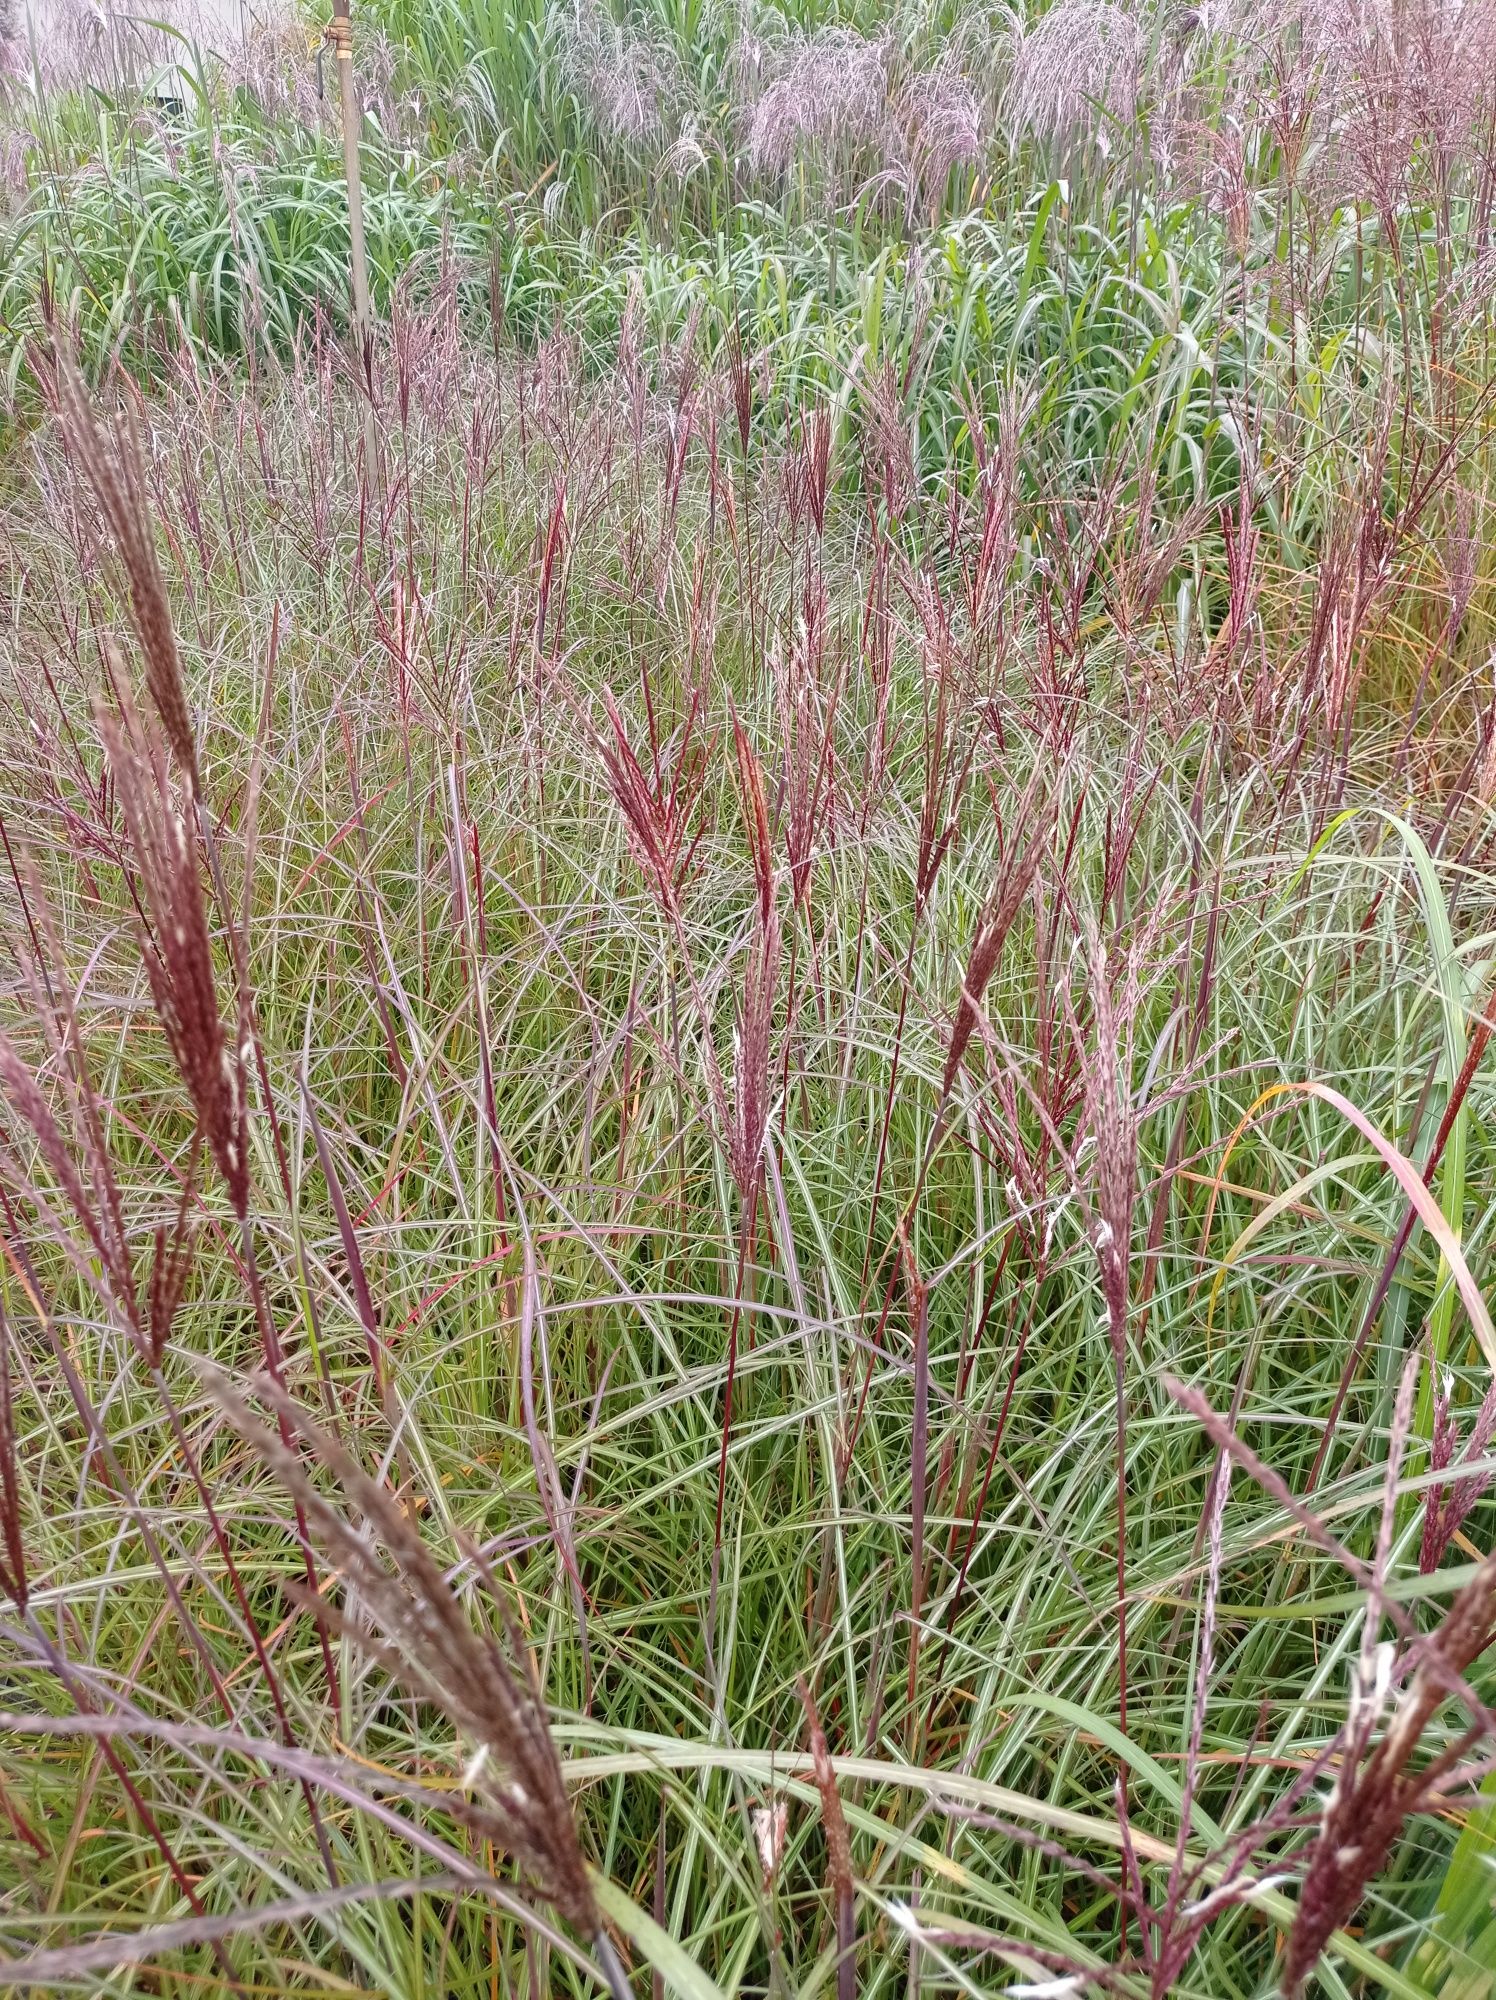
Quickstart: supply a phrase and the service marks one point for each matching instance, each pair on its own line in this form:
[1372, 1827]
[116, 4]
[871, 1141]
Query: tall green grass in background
[745, 1111]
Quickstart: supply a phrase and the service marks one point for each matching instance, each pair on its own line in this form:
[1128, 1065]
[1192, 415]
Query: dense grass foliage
[1200, 198]
[745, 1132]
[592, 1092]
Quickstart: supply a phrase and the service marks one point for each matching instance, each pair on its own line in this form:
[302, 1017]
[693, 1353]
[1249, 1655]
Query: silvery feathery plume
[410, 1619]
[631, 82]
[1082, 64]
[688, 153]
[1394, 82]
[829, 89]
[1227, 186]
[268, 63]
[938, 121]
[1449, 59]
[756, 58]
[15, 183]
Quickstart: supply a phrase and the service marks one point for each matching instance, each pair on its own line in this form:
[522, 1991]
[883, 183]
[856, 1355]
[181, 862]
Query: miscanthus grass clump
[741, 1232]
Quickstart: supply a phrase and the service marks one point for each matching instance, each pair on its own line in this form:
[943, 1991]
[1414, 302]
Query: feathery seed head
[830, 92]
[631, 82]
[483, 1682]
[114, 469]
[175, 943]
[1082, 64]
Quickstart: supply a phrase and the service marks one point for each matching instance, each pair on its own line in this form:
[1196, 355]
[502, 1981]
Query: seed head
[481, 1681]
[631, 82]
[829, 91]
[938, 120]
[174, 941]
[1081, 64]
[113, 468]
[1113, 1121]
